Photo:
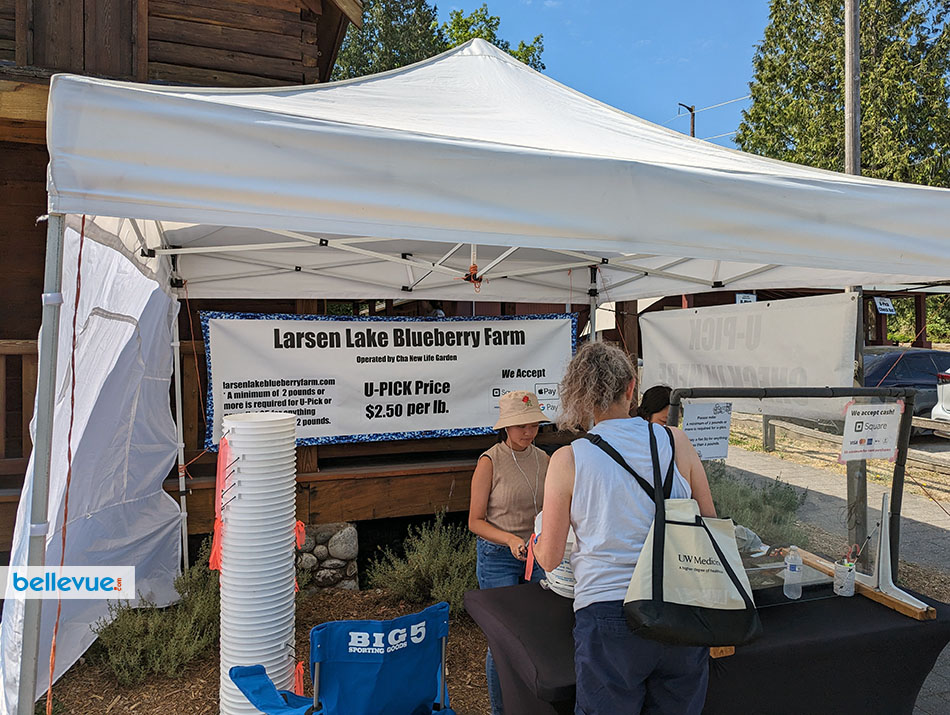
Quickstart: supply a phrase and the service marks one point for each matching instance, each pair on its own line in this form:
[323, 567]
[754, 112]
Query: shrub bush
[136, 643]
[437, 563]
[768, 509]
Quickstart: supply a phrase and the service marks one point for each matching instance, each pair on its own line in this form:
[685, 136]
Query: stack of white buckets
[257, 552]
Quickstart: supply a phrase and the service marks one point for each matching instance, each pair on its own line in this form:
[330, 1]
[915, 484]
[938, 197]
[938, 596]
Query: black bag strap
[659, 521]
[608, 449]
[746, 599]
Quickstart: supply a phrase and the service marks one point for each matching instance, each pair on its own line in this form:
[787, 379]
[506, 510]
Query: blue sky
[644, 56]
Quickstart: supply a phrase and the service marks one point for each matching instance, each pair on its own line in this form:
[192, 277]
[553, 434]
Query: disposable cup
[844, 578]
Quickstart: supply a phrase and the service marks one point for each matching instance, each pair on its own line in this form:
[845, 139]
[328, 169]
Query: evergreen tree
[797, 110]
[396, 33]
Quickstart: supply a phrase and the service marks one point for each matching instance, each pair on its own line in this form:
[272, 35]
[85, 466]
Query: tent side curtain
[124, 444]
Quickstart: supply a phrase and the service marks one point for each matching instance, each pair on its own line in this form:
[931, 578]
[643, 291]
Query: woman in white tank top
[617, 672]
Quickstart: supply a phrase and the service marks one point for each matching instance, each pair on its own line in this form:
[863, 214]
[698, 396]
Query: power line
[719, 136]
[711, 106]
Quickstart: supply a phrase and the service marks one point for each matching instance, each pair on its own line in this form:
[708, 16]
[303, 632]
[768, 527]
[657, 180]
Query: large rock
[349, 585]
[323, 532]
[327, 577]
[344, 545]
[308, 543]
[307, 561]
[321, 552]
[351, 568]
[333, 564]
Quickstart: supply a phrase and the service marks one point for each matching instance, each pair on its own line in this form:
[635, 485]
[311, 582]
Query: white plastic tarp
[124, 443]
[470, 147]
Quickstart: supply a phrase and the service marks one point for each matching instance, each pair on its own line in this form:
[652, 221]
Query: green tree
[396, 33]
[461, 28]
[797, 110]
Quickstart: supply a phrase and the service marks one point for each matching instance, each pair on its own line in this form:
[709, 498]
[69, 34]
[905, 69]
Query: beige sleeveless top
[511, 503]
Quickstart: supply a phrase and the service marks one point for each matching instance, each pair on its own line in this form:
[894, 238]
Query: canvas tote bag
[689, 586]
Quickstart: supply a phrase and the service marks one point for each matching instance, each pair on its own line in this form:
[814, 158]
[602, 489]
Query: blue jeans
[496, 567]
[620, 673]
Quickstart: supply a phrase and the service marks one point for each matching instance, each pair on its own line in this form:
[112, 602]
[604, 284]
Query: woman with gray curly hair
[588, 489]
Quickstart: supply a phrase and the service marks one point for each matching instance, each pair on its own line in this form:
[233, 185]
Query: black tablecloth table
[824, 655]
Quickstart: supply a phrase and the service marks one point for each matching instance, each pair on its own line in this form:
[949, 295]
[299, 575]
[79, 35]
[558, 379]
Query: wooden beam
[24, 32]
[28, 390]
[3, 406]
[141, 41]
[828, 568]
[353, 9]
[14, 130]
[23, 101]
[17, 347]
[170, 72]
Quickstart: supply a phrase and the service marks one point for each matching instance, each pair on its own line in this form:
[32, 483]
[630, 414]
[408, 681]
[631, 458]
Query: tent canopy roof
[467, 148]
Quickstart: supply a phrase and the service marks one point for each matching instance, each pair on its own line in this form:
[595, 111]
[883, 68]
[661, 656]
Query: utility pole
[691, 108]
[857, 470]
[852, 87]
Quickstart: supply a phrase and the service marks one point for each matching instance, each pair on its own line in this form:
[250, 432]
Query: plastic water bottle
[793, 574]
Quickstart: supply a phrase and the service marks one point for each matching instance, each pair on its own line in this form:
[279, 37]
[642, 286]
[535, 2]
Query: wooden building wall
[212, 42]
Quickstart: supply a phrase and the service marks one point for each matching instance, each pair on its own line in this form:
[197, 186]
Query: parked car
[941, 410]
[908, 367]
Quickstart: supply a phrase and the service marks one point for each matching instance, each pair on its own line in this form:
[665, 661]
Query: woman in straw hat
[617, 671]
[507, 494]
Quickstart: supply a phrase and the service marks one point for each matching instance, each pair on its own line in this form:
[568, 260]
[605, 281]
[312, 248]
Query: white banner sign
[870, 431]
[802, 342]
[707, 426]
[367, 380]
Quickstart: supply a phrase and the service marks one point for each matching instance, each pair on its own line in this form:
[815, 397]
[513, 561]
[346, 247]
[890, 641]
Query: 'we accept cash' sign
[364, 380]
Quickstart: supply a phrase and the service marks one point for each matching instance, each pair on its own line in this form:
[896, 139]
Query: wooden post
[28, 390]
[3, 406]
[307, 459]
[628, 326]
[920, 322]
[768, 434]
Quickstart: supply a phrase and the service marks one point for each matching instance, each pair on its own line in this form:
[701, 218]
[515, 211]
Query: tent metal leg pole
[176, 344]
[593, 304]
[42, 450]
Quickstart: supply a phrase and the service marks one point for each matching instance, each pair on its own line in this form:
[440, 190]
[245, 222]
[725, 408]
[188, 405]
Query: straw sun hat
[519, 408]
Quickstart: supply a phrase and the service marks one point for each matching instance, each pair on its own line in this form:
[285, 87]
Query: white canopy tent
[391, 186]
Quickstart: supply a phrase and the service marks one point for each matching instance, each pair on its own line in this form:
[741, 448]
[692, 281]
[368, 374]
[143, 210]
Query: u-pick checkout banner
[802, 342]
[372, 379]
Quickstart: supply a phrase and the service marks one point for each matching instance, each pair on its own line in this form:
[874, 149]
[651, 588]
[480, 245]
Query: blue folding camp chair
[392, 667]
